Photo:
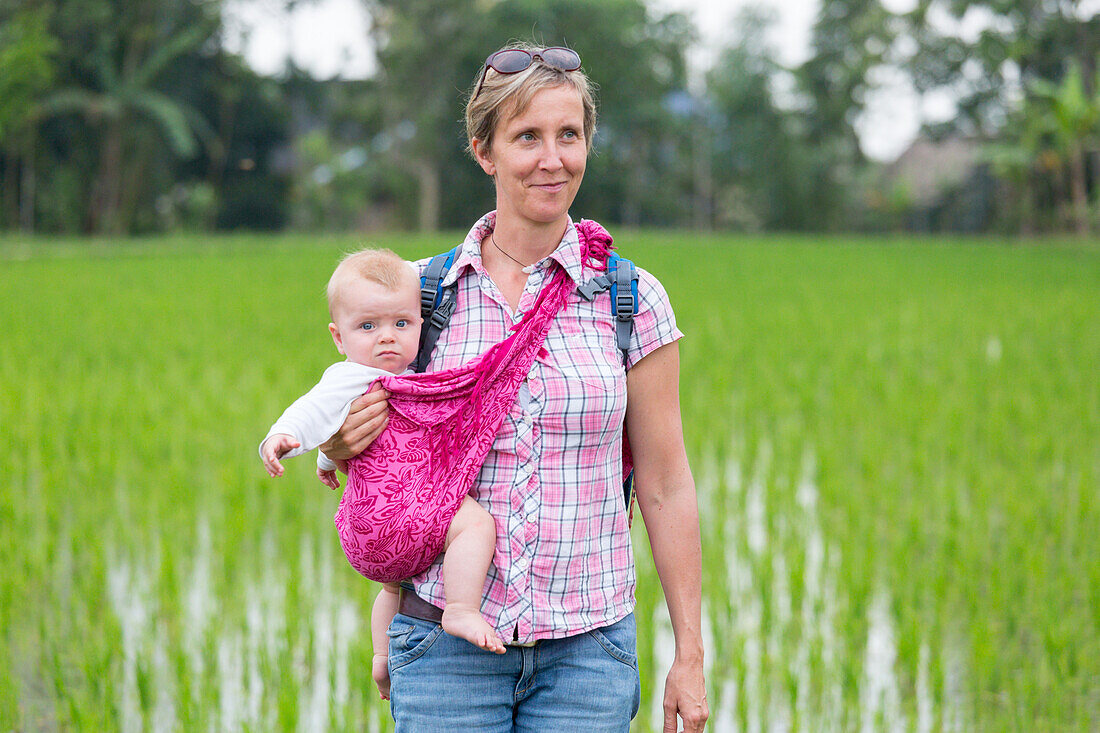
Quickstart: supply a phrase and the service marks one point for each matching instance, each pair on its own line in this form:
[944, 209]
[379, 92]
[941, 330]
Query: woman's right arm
[367, 418]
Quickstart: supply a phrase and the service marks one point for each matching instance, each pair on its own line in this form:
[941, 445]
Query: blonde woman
[560, 592]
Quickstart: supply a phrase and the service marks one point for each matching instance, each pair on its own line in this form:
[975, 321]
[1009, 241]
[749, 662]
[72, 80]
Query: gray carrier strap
[624, 294]
[437, 303]
[621, 279]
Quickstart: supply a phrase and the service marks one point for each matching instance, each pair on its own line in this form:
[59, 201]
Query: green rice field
[896, 444]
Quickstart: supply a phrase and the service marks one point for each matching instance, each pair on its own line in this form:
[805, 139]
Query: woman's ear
[481, 155]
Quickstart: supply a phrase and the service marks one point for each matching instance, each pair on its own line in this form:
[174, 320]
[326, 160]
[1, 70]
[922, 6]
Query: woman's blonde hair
[505, 95]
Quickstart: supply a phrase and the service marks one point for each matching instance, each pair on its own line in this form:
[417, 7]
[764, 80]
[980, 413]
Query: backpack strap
[621, 278]
[624, 299]
[437, 303]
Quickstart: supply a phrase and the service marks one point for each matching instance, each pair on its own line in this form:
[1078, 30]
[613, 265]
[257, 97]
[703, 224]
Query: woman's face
[538, 157]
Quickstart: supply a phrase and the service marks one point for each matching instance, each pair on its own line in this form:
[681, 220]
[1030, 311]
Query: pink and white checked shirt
[553, 478]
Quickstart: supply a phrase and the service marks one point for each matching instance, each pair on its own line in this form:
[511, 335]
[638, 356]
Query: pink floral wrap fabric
[404, 490]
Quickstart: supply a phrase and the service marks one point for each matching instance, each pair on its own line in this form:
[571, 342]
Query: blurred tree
[1019, 41]
[431, 52]
[641, 170]
[1012, 158]
[1071, 117]
[850, 38]
[27, 70]
[1029, 58]
[345, 174]
[425, 51]
[757, 154]
[245, 169]
[117, 53]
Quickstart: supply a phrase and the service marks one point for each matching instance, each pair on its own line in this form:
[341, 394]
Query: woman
[561, 591]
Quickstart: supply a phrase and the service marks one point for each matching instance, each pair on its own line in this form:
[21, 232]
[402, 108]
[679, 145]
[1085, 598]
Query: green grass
[896, 442]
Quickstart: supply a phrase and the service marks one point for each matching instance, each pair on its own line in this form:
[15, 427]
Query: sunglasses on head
[515, 60]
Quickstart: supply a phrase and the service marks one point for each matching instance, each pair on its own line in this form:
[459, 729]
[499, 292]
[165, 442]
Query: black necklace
[513, 259]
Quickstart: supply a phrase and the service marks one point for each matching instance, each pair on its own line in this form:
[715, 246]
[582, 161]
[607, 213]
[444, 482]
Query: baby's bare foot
[468, 623]
[381, 674]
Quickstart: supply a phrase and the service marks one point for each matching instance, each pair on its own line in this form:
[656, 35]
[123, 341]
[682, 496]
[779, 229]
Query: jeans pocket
[619, 640]
[409, 639]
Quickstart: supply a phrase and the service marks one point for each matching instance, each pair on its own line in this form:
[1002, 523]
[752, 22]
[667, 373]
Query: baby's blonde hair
[382, 266]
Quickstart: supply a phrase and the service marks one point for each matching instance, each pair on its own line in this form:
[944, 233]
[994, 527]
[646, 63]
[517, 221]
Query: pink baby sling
[404, 490]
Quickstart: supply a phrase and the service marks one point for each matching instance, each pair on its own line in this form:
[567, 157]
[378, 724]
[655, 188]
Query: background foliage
[132, 116]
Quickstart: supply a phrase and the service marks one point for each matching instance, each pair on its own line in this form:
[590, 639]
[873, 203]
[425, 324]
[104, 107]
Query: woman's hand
[686, 697]
[367, 419]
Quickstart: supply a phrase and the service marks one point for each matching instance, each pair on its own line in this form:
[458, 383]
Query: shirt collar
[567, 254]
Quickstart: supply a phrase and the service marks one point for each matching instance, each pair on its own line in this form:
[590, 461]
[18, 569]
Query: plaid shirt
[553, 478]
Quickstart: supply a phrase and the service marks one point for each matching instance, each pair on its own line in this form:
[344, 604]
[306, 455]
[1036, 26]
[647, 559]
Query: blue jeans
[442, 683]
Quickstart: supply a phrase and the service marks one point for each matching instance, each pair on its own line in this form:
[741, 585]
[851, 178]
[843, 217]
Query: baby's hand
[328, 478]
[274, 448]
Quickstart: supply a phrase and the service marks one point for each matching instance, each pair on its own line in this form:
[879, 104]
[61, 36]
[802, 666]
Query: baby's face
[376, 326]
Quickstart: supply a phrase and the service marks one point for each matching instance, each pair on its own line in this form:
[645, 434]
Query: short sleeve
[654, 323]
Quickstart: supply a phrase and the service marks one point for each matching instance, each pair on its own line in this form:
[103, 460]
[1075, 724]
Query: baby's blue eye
[368, 326]
[401, 323]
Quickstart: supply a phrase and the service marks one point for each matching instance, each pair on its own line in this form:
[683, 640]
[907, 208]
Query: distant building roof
[929, 168]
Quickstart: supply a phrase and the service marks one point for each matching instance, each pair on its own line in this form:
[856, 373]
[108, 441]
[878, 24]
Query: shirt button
[521, 563]
[527, 420]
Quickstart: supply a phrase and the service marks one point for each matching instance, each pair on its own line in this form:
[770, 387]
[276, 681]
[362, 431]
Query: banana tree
[122, 99]
[1072, 116]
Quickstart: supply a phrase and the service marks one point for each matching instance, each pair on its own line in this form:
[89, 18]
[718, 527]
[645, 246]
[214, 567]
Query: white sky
[329, 38]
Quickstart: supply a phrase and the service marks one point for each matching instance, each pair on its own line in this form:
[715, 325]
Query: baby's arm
[316, 415]
[275, 447]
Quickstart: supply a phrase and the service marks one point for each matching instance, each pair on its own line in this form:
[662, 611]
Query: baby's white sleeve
[315, 416]
[325, 463]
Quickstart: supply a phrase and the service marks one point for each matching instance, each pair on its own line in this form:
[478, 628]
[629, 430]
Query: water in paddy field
[776, 663]
[773, 627]
[234, 667]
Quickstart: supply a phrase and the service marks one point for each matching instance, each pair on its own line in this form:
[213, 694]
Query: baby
[374, 302]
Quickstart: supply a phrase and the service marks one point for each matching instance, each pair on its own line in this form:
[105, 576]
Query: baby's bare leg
[383, 611]
[471, 541]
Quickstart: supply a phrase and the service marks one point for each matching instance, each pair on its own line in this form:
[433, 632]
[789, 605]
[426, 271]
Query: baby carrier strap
[437, 303]
[403, 491]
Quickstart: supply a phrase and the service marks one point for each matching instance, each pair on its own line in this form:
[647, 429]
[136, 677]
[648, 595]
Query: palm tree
[124, 98]
[27, 70]
[1071, 116]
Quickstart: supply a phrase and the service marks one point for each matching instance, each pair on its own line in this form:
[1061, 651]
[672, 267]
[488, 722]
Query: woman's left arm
[666, 498]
